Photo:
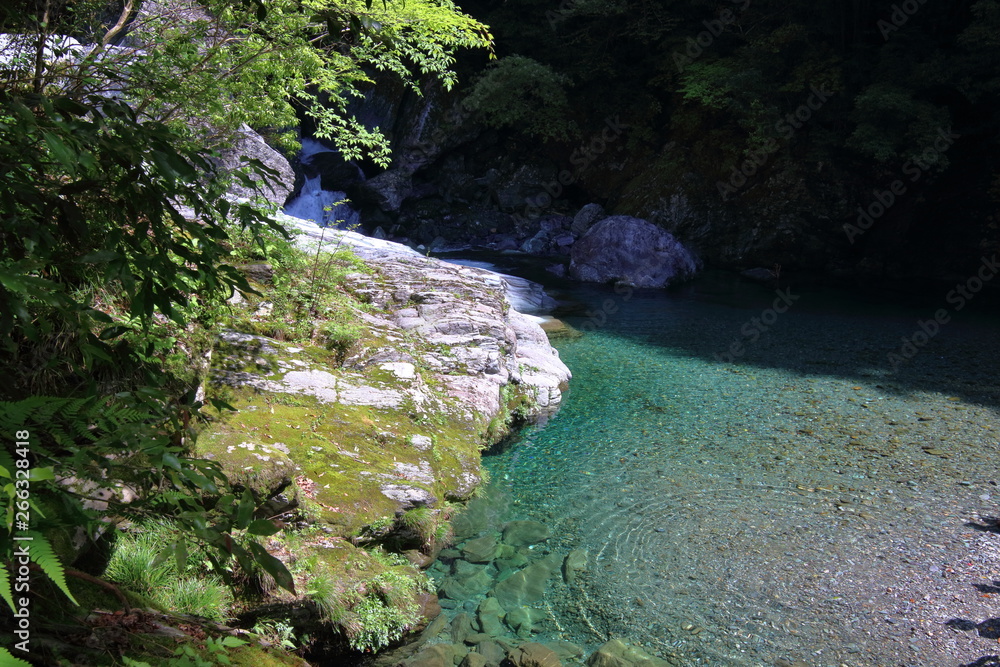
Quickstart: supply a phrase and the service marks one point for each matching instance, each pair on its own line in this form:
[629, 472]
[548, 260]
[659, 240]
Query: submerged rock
[480, 550]
[525, 533]
[617, 653]
[576, 562]
[527, 585]
[632, 251]
[533, 654]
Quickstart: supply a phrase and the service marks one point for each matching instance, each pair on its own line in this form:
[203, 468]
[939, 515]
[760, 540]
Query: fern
[8, 660]
[5, 590]
[42, 554]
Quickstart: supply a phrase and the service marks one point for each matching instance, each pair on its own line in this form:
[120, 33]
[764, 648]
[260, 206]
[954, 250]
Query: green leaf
[61, 152]
[273, 567]
[42, 554]
[5, 590]
[245, 511]
[181, 555]
[99, 257]
[233, 642]
[171, 460]
[40, 474]
[8, 660]
[262, 527]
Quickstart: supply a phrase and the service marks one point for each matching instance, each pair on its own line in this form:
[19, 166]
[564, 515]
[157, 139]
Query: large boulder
[250, 145]
[632, 251]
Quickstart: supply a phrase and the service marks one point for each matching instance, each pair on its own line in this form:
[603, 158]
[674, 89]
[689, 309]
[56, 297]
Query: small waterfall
[327, 208]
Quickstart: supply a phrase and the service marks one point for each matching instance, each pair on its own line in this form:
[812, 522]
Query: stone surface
[490, 616]
[525, 533]
[576, 562]
[492, 651]
[250, 144]
[617, 653]
[474, 660]
[586, 217]
[435, 655]
[480, 550]
[632, 251]
[533, 654]
[527, 585]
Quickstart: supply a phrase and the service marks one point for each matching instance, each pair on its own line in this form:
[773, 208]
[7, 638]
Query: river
[756, 481]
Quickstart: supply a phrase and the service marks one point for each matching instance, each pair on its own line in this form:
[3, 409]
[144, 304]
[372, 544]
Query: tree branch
[123, 20]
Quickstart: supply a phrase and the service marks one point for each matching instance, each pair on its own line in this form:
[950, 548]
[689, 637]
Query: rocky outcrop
[465, 313]
[444, 365]
[249, 145]
[632, 251]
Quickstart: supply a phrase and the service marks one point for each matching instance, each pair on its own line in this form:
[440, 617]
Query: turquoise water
[786, 504]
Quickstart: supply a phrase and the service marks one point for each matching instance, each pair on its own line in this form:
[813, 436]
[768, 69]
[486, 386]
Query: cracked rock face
[482, 341]
[444, 345]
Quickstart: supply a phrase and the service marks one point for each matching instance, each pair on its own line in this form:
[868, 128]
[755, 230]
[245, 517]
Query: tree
[114, 228]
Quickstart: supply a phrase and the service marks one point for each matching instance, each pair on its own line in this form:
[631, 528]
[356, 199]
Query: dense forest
[847, 138]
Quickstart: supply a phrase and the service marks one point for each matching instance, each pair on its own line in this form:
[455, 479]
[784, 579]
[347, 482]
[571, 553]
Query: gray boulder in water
[633, 251]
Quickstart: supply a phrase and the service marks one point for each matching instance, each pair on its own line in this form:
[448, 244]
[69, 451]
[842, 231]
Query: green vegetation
[705, 88]
[176, 584]
[116, 257]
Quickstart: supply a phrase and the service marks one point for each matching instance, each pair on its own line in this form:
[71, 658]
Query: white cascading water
[327, 208]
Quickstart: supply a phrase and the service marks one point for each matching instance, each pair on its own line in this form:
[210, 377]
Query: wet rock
[461, 628]
[525, 533]
[474, 660]
[631, 251]
[617, 653]
[586, 217]
[567, 651]
[435, 655]
[522, 621]
[576, 562]
[492, 651]
[537, 244]
[480, 550]
[515, 562]
[533, 654]
[758, 275]
[527, 585]
[474, 580]
[436, 627]
[386, 191]
[490, 616]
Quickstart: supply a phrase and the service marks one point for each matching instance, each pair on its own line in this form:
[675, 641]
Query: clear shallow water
[789, 505]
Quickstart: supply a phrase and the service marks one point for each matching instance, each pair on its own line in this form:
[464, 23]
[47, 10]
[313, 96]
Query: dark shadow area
[990, 524]
[986, 588]
[988, 629]
[985, 661]
[825, 331]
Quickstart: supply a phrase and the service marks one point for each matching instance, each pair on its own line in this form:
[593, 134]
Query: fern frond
[5, 590]
[42, 554]
[7, 660]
